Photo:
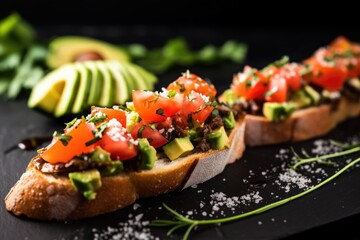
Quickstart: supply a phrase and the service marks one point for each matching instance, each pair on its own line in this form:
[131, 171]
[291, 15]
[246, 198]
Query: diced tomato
[277, 89]
[250, 84]
[154, 107]
[154, 137]
[195, 107]
[118, 142]
[291, 73]
[78, 136]
[191, 82]
[325, 71]
[111, 113]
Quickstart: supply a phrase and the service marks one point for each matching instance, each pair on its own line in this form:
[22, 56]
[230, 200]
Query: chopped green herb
[97, 134]
[160, 112]
[71, 123]
[62, 137]
[97, 118]
[171, 94]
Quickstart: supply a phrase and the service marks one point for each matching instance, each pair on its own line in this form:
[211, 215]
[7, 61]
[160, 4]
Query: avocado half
[68, 49]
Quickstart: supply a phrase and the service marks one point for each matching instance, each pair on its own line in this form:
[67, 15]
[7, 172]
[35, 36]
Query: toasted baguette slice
[47, 196]
[301, 125]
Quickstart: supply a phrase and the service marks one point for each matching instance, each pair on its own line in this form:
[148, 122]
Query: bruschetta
[290, 102]
[159, 142]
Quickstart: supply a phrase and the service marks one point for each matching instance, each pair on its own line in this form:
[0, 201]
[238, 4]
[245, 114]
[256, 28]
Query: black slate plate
[251, 182]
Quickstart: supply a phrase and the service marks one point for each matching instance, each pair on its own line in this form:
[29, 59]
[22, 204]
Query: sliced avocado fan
[74, 87]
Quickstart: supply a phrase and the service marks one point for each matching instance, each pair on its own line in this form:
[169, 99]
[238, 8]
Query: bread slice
[47, 196]
[303, 124]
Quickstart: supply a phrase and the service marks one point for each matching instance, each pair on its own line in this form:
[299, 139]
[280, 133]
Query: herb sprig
[180, 221]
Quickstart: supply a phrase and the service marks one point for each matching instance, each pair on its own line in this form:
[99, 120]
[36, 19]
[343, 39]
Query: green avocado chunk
[229, 121]
[66, 49]
[218, 139]
[147, 154]
[86, 182]
[178, 147]
[277, 112]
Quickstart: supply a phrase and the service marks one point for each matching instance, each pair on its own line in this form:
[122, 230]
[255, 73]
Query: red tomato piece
[191, 82]
[325, 71]
[155, 107]
[277, 89]
[154, 137]
[118, 142]
[291, 73]
[111, 113]
[77, 136]
[195, 106]
[250, 84]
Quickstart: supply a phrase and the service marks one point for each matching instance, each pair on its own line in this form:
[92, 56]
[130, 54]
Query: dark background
[295, 30]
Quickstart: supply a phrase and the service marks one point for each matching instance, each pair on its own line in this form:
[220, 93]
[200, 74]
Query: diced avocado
[46, 94]
[277, 112]
[82, 94]
[114, 168]
[218, 139]
[100, 155]
[312, 94]
[229, 121]
[68, 95]
[147, 154]
[228, 97]
[86, 182]
[96, 83]
[67, 49]
[121, 88]
[301, 99]
[108, 89]
[178, 147]
[131, 119]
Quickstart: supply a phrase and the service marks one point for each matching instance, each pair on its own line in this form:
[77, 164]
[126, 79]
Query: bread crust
[42, 196]
[302, 125]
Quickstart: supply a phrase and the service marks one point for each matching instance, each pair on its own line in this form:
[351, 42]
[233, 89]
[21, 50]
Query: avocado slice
[84, 88]
[86, 182]
[150, 78]
[121, 87]
[277, 112]
[96, 83]
[142, 80]
[218, 139]
[68, 95]
[108, 89]
[178, 147]
[130, 81]
[46, 94]
[147, 154]
[66, 49]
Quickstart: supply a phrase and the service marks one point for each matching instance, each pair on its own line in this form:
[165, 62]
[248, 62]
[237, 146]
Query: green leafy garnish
[97, 134]
[21, 57]
[348, 149]
[177, 52]
[71, 123]
[181, 221]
